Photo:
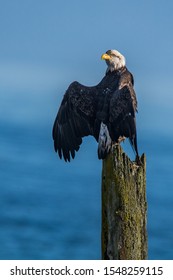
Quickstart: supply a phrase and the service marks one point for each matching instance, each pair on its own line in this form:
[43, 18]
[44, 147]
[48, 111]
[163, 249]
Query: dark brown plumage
[105, 111]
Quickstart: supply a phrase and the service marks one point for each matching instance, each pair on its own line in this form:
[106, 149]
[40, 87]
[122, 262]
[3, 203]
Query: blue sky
[66, 38]
[45, 45]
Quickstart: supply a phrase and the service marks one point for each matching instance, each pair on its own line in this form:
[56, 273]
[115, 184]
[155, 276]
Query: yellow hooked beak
[105, 56]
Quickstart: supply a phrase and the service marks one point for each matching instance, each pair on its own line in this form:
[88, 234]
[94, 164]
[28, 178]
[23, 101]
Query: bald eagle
[105, 111]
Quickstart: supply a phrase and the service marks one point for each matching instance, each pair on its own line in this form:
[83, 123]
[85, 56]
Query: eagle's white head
[114, 59]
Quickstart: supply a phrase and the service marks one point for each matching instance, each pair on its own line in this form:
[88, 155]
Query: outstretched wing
[122, 122]
[75, 119]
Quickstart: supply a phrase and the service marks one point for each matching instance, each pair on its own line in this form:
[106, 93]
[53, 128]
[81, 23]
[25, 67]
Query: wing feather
[122, 122]
[74, 120]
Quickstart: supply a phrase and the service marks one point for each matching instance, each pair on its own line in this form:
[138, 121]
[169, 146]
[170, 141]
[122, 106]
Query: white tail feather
[105, 141]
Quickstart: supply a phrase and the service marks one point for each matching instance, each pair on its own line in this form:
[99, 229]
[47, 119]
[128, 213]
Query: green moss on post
[124, 207]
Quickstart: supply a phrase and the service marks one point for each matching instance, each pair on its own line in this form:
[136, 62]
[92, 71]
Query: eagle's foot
[121, 139]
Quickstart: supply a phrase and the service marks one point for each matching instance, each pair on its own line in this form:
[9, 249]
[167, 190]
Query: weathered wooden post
[124, 207]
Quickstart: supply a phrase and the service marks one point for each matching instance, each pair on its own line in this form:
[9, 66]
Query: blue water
[51, 209]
